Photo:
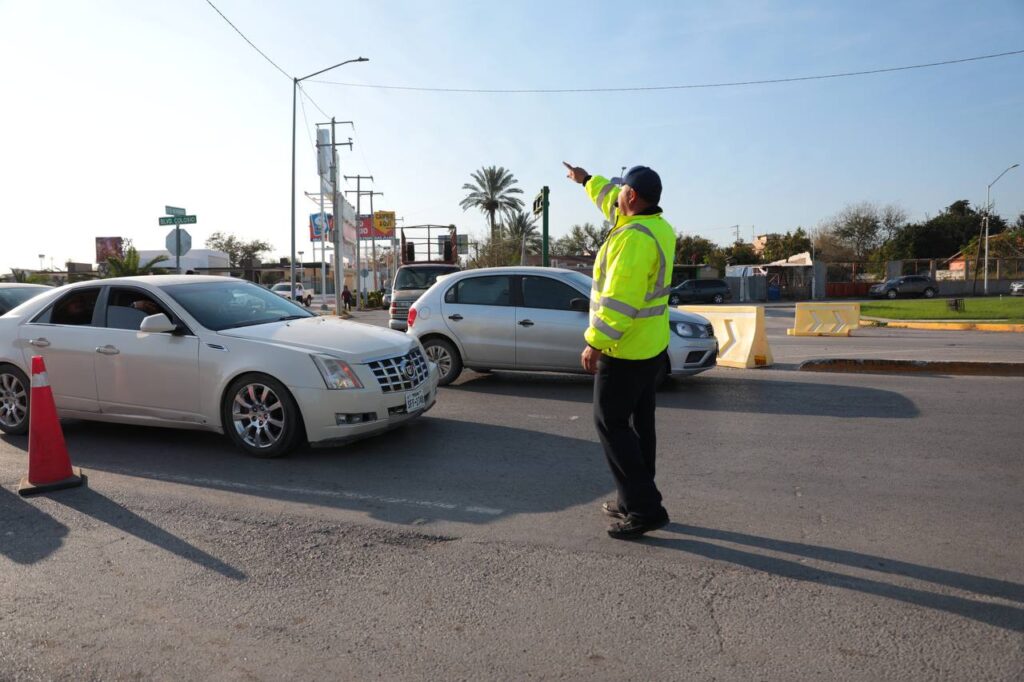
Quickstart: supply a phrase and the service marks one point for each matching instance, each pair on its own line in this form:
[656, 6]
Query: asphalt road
[824, 526]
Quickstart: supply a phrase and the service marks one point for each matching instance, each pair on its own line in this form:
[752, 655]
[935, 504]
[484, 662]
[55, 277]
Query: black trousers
[624, 392]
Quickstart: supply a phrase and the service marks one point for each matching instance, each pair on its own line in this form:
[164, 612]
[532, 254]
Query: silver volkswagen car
[531, 319]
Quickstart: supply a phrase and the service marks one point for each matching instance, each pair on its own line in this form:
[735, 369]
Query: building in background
[202, 261]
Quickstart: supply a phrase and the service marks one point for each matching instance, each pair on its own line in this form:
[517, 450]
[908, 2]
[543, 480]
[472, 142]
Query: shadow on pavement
[95, 505]
[712, 392]
[545, 385]
[999, 615]
[27, 534]
[433, 469]
[770, 396]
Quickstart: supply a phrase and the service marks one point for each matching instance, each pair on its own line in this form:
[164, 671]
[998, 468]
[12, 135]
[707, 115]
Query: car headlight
[336, 373]
[689, 331]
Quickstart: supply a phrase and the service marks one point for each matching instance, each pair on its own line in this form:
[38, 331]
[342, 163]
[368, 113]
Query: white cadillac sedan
[215, 354]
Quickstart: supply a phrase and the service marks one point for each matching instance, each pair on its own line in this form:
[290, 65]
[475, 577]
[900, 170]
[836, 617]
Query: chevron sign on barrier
[825, 319]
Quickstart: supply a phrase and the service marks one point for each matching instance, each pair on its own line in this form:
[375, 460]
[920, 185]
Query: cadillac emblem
[408, 369]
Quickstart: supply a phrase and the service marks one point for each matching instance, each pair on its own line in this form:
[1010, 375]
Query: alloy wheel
[440, 356]
[258, 415]
[13, 401]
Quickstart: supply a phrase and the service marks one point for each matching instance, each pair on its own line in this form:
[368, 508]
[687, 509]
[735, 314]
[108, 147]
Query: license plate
[414, 401]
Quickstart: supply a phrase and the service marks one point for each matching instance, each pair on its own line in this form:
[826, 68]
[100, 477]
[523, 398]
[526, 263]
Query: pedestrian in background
[346, 298]
[627, 339]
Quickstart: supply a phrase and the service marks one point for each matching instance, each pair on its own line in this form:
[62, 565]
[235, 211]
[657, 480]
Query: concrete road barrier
[825, 319]
[740, 330]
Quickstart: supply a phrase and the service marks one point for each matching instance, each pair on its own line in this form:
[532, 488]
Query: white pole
[988, 208]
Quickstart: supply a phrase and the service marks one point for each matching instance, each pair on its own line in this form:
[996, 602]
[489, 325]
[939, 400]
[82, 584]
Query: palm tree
[128, 265]
[491, 192]
[522, 232]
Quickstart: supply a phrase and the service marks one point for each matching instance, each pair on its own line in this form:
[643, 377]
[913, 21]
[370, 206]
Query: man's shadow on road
[999, 615]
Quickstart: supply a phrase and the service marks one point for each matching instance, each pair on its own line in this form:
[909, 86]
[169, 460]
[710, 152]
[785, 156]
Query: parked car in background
[13, 294]
[410, 283]
[907, 285]
[282, 290]
[700, 291]
[1017, 288]
[530, 319]
[215, 354]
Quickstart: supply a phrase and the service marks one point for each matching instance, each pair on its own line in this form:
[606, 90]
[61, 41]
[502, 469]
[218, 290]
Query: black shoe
[634, 527]
[613, 509]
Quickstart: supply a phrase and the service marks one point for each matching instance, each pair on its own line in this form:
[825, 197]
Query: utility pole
[373, 226]
[737, 228]
[373, 238]
[339, 219]
[359, 273]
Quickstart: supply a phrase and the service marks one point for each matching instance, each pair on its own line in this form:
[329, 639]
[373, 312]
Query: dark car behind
[700, 291]
[410, 283]
[907, 285]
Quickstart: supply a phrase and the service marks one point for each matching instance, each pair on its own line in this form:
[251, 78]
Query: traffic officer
[628, 337]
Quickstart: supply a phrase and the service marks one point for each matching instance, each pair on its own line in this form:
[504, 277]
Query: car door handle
[526, 323]
[39, 343]
[107, 350]
[455, 317]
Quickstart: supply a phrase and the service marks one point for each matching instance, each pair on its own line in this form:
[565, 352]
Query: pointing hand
[576, 174]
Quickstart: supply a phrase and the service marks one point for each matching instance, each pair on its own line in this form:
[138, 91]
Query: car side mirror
[157, 324]
[580, 305]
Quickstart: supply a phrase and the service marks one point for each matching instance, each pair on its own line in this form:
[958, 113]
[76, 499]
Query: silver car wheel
[13, 401]
[440, 356]
[258, 415]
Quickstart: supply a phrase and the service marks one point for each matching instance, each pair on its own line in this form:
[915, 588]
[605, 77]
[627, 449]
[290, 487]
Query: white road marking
[294, 490]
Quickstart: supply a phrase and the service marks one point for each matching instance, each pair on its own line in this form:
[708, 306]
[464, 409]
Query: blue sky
[114, 109]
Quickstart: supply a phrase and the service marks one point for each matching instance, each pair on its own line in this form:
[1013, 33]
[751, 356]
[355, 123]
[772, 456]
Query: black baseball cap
[645, 182]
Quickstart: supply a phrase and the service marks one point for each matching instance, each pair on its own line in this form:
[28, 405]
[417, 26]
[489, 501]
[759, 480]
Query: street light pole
[988, 209]
[295, 94]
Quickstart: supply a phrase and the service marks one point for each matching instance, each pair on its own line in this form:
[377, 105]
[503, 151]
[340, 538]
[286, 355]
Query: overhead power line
[694, 86]
[312, 101]
[247, 40]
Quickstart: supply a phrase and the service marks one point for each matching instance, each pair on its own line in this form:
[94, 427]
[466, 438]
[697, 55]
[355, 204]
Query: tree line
[863, 233]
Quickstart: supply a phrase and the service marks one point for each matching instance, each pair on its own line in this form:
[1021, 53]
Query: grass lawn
[1005, 308]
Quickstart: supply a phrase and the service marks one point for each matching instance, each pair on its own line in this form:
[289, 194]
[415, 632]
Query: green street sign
[178, 220]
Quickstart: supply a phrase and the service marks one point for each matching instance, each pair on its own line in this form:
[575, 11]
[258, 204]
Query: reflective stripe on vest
[605, 328]
[625, 308]
[620, 306]
[614, 182]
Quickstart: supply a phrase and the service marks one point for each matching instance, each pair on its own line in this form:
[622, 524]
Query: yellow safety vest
[632, 277]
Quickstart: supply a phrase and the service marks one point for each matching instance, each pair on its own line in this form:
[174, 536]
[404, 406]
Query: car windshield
[280, 287]
[13, 297]
[227, 304]
[420, 278]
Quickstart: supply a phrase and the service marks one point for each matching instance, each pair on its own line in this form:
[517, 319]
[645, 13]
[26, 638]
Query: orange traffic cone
[49, 467]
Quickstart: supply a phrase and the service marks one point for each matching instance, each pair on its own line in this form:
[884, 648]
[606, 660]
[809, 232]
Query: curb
[945, 326]
[854, 365]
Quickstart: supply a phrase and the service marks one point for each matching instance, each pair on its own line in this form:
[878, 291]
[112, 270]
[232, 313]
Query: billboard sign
[384, 223]
[107, 247]
[316, 229]
[369, 227]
